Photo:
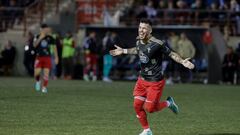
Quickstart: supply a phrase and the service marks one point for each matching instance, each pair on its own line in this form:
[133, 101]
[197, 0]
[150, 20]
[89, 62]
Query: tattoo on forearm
[176, 57]
[132, 51]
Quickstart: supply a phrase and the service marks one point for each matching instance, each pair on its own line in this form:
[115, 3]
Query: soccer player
[42, 43]
[149, 87]
[90, 50]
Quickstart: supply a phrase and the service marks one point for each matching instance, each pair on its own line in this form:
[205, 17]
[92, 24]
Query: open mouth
[141, 34]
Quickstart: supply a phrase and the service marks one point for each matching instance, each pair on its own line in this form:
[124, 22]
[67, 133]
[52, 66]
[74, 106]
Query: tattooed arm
[176, 57]
[130, 51]
[119, 51]
[185, 62]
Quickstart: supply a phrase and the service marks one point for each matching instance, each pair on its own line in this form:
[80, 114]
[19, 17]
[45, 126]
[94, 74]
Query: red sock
[162, 105]
[95, 70]
[151, 107]
[45, 81]
[37, 78]
[141, 114]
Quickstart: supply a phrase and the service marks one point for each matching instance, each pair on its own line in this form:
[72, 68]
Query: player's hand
[42, 35]
[186, 63]
[56, 60]
[117, 51]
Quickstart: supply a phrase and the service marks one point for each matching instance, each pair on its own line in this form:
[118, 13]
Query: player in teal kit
[149, 87]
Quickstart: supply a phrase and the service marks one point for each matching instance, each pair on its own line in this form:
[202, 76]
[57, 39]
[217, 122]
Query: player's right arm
[119, 51]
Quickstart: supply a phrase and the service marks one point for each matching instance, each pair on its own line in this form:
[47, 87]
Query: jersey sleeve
[165, 48]
[163, 45]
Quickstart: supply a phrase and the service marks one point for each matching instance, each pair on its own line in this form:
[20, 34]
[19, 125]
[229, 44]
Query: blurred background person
[58, 39]
[150, 10]
[182, 16]
[90, 52]
[238, 63]
[185, 49]
[2, 19]
[229, 66]
[54, 66]
[169, 64]
[67, 56]
[29, 54]
[8, 56]
[107, 58]
[12, 13]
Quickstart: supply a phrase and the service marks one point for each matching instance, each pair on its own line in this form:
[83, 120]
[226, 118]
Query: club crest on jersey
[149, 49]
[44, 43]
[143, 58]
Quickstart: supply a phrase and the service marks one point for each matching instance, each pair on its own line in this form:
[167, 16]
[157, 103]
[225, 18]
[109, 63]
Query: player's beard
[142, 35]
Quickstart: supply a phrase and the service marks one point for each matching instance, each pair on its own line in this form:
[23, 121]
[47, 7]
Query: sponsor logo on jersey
[143, 58]
[44, 43]
[148, 49]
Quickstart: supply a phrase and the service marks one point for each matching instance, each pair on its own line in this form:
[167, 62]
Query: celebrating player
[42, 43]
[149, 87]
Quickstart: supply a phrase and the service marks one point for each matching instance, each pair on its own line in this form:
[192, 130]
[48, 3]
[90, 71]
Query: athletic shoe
[94, 78]
[173, 106]
[44, 90]
[146, 132]
[86, 78]
[106, 79]
[38, 86]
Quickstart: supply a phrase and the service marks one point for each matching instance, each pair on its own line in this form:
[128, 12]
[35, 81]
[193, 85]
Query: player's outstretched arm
[185, 62]
[119, 51]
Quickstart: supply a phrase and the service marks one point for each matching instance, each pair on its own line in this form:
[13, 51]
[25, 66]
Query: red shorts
[91, 59]
[43, 62]
[151, 91]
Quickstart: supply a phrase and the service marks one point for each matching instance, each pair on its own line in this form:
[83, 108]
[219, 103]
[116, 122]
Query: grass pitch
[97, 108]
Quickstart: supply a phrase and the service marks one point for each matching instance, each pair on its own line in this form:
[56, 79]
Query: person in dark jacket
[90, 51]
[238, 63]
[8, 56]
[229, 66]
[108, 44]
[29, 54]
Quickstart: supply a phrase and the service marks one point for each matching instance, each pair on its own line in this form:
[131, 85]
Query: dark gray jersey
[150, 55]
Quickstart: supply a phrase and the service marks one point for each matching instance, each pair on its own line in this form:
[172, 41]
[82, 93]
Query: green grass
[96, 108]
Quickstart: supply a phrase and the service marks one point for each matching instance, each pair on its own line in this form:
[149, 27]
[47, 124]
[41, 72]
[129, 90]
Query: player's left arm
[165, 49]
[185, 62]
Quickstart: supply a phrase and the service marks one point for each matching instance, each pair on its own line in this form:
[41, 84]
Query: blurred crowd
[7, 57]
[194, 12]
[231, 66]
[91, 61]
[11, 12]
[76, 62]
